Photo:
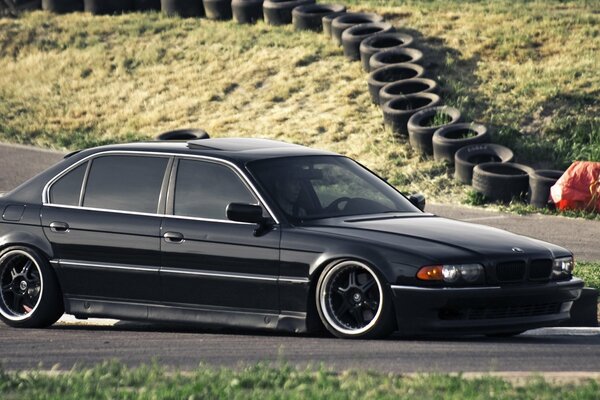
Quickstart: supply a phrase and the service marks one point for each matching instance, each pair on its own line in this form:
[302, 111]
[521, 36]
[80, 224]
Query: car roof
[239, 150]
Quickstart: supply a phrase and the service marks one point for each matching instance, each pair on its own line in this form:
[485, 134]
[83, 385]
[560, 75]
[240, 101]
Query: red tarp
[578, 188]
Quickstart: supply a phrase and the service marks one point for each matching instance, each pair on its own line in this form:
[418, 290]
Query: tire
[395, 56]
[310, 17]
[14, 7]
[62, 6]
[363, 311]
[407, 86]
[449, 139]
[353, 36]
[327, 20]
[398, 111]
[30, 296]
[217, 9]
[501, 181]
[392, 73]
[420, 132]
[182, 8]
[183, 134]
[279, 12]
[347, 20]
[247, 11]
[147, 5]
[107, 7]
[540, 182]
[468, 157]
[383, 42]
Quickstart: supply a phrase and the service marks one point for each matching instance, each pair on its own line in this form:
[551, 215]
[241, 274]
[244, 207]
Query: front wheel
[29, 293]
[353, 303]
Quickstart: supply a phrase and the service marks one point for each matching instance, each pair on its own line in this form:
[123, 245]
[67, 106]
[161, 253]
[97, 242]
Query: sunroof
[237, 144]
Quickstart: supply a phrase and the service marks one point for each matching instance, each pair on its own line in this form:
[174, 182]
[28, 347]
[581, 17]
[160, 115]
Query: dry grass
[76, 80]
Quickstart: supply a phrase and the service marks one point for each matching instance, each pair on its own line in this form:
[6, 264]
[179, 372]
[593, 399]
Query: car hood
[438, 238]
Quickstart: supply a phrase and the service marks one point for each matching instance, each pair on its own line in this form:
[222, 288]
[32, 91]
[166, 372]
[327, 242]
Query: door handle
[60, 227]
[173, 237]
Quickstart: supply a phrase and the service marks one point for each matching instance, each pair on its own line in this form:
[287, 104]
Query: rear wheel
[353, 303]
[29, 293]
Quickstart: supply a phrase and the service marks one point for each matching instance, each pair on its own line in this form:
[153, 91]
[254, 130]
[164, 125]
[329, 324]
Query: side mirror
[241, 212]
[418, 200]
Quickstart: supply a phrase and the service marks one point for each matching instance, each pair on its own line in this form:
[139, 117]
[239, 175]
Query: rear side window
[204, 189]
[125, 183]
[67, 189]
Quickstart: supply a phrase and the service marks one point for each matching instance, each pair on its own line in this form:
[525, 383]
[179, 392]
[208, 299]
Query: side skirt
[96, 308]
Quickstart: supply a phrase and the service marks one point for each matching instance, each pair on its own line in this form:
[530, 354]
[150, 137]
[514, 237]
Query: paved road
[67, 344]
[186, 349]
[18, 163]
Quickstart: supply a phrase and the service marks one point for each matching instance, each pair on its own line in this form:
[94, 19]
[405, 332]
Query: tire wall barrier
[147, 5]
[354, 36]
[449, 139]
[62, 6]
[398, 110]
[540, 182]
[182, 8]
[396, 82]
[279, 12]
[501, 181]
[421, 129]
[247, 11]
[467, 157]
[310, 17]
[347, 20]
[108, 7]
[217, 9]
[383, 42]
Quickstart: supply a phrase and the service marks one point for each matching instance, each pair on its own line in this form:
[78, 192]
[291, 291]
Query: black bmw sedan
[262, 234]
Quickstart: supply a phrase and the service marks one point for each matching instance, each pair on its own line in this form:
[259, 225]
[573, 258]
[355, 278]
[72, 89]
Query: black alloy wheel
[353, 303]
[29, 295]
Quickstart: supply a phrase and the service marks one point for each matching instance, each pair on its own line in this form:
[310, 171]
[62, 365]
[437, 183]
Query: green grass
[527, 68]
[113, 380]
[589, 272]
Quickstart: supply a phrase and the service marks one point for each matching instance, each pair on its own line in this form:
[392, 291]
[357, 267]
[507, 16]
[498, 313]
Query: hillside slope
[526, 68]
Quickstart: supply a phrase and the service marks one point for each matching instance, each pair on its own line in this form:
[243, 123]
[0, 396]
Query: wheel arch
[26, 239]
[369, 257]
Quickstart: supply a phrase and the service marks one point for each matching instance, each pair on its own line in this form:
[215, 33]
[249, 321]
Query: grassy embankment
[113, 380]
[529, 68]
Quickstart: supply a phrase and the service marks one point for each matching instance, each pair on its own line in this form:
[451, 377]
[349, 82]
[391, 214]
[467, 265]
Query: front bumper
[481, 310]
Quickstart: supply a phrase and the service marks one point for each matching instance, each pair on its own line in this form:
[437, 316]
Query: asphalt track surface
[68, 343]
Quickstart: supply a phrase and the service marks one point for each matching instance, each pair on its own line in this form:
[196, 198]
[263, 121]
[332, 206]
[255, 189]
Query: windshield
[315, 187]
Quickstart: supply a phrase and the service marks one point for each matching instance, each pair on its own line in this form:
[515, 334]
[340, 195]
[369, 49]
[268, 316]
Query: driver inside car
[288, 189]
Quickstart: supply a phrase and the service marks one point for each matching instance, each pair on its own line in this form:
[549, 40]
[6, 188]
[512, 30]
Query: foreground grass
[526, 67]
[589, 272]
[113, 380]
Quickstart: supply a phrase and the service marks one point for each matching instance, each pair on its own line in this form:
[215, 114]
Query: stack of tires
[397, 82]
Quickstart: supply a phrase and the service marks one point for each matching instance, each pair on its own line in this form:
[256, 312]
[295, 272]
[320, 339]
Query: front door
[209, 261]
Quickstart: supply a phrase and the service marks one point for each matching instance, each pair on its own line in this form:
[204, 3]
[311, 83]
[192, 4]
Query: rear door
[102, 221]
[208, 260]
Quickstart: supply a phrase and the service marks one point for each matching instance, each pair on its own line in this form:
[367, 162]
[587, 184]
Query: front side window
[204, 189]
[67, 189]
[125, 183]
[315, 187]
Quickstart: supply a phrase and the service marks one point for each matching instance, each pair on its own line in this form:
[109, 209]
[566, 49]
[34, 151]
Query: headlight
[563, 267]
[451, 273]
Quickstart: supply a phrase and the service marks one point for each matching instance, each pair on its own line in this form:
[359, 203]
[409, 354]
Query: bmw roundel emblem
[518, 250]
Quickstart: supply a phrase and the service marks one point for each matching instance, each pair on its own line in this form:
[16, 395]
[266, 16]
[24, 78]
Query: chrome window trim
[177, 271]
[143, 268]
[239, 171]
